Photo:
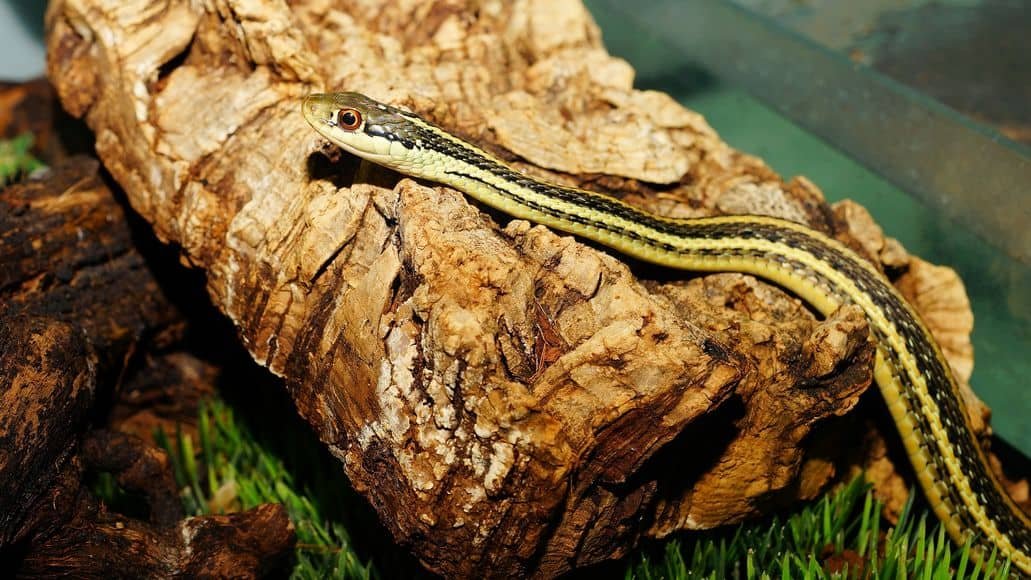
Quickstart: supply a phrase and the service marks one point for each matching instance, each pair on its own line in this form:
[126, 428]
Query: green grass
[16, 160]
[228, 470]
[841, 535]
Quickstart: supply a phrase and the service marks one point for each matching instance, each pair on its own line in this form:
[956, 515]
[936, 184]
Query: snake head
[363, 126]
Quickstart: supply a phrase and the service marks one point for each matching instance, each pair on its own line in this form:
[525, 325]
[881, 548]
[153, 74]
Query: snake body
[913, 376]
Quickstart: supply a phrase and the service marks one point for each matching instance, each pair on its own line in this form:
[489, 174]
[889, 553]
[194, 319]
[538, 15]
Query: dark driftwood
[47, 383]
[75, 535]
[79, 310]
[510, 400]
[74, 298]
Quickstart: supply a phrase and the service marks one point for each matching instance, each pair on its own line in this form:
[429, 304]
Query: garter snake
[913, 376]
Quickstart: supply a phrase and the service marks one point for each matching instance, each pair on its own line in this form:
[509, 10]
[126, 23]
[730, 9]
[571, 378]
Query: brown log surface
[47, 383]
[509, 399]
[75, 299]
[79, 306]
[86, 540]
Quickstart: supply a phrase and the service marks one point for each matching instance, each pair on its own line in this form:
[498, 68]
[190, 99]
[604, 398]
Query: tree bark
[510, 400]
[78, 303]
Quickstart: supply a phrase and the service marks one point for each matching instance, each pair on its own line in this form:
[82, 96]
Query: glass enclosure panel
[971, 55]
[21, 39]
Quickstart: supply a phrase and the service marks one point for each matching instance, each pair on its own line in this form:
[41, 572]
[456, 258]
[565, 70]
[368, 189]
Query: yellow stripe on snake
[913, 375]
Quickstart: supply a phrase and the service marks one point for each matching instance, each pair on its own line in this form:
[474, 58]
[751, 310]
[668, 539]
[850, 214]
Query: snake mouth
[318, 109]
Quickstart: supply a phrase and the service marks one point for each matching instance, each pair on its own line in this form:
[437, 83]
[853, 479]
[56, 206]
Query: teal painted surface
[997, 285]
[21, 39]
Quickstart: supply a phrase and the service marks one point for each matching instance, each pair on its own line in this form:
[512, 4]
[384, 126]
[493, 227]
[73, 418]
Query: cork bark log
[510, 400]
[80, 309]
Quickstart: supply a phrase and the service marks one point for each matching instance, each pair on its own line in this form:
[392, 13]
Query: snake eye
[349, 119]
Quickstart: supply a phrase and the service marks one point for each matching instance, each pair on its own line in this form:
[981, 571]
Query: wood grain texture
[82, 316]
[511, 401]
